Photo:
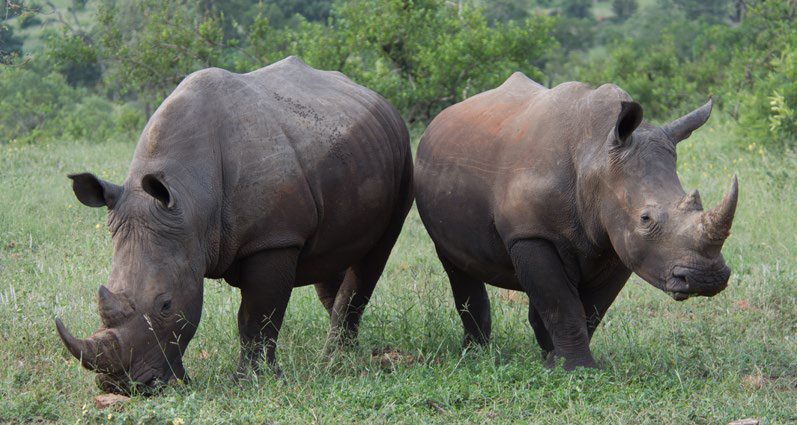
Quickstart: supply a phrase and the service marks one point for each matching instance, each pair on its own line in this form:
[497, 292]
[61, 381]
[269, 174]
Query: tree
[151, 45]
[10, 45]
[576, 8]
[711, 10]
[623, 9]
[424, 55]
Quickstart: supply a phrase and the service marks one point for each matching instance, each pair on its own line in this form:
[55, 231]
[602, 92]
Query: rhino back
[292, 155]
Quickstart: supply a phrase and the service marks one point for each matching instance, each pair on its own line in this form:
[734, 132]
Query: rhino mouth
[687, 282]
[146, 384]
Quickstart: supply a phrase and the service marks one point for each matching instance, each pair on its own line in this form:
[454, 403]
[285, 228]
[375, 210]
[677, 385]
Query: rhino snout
[685, 282]
[148, 384]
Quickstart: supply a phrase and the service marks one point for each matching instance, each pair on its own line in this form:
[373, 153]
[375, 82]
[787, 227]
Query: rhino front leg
[266, 280]
[598, 296]
[541, 274]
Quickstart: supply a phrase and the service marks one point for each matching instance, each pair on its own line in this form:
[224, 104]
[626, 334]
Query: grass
[703, 361]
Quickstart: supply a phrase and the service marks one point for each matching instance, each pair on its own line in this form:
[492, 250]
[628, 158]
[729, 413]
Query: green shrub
[91, 119]
[31, 103]
[128, 119]
[29, 19]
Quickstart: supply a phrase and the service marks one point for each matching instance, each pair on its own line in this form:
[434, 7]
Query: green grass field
[703, 361]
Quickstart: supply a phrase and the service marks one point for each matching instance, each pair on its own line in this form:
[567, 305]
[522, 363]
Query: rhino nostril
[681, 278]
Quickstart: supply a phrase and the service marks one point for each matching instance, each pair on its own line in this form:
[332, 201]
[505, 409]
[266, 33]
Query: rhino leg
[598, 296]
[356, 290]
[542, 275]
[328, 290]
[266, 280]
[360, 280]
[472, 302]
[542, 335]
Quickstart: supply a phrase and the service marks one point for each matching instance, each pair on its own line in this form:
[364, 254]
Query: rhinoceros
[274, 179]
[562, 193]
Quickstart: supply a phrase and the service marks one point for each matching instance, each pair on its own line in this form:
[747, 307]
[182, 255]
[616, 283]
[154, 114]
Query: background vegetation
[80, 77]
[113, 61]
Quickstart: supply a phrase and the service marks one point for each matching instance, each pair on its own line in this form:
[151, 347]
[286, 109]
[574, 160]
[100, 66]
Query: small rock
[104, 401]
[756, 381]
[389, 357]
[431, 403]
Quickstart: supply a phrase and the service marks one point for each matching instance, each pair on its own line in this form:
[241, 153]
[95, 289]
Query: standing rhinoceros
[274, 179]
[562, 193]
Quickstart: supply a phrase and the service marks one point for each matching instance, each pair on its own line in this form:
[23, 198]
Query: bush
[91, 119]
[29, 19]
[31, 103]
[128, 119]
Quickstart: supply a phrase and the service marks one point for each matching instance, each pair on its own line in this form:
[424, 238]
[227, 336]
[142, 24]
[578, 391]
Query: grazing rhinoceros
[562, 193]
[274, 179]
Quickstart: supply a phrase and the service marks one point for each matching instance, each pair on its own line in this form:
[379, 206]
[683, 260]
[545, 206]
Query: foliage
[421, 55]
[623, 9]
[506, 10]
[424, 55]
[153, 44]
[576, 8]
[91, 119]
[29, 19]
[31, 103]
[655, 77]
[74, 56]
[712, 10]
[40, 106]
[10, 45]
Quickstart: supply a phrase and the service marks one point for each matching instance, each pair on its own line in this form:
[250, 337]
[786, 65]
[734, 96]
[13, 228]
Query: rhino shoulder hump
[610, 90]
[519, 80]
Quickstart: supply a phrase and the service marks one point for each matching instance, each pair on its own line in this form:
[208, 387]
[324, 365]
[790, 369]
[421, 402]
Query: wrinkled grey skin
[562, 193]
[282, 177]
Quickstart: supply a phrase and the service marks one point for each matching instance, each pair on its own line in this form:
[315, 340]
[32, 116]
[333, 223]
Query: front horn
[717, 221]
[88, 350]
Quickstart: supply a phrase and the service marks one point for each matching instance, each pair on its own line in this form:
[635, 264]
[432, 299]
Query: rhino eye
[166, 307]
[644, 218]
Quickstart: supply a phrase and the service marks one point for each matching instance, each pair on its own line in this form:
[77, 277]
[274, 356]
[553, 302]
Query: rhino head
[658, 230]
[153, 302]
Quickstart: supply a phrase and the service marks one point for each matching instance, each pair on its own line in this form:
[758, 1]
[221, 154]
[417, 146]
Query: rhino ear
[627, 121]
[94, 192]
[155, 185]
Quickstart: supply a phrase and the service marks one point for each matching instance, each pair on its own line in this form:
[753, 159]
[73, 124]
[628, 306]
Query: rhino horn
[86, 350]
[717, 221]
[683, 127]
[109, 306]
[691, 202]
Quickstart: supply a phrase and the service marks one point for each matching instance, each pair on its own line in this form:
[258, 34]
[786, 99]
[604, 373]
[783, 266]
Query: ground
[704, 361]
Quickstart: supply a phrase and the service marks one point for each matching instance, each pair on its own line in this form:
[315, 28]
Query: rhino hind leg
[328, 290]
[360, 279]
[266, 280]
[542, 275]
[354, 294]
[542, 335]
[472, 302]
